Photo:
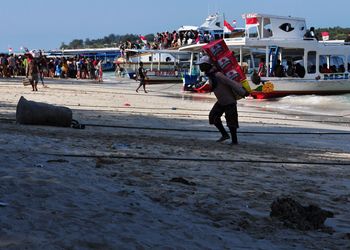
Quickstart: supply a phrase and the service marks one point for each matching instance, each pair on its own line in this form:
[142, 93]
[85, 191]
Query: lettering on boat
[165, 73]
[336, 76]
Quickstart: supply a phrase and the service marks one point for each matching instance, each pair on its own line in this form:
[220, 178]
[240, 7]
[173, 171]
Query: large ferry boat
[283, 60]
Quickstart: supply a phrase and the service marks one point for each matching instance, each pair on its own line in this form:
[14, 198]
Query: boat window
[311, 62]
[332, 64]
[338, 62]
[292, 61]
[267, 28]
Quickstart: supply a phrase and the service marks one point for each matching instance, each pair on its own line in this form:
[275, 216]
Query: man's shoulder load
[226, 62]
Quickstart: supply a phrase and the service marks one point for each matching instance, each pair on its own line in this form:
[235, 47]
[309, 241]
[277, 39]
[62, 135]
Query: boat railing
[236, 39]
[334, 42]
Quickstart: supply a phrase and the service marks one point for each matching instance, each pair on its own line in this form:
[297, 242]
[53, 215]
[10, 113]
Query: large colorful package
[226, 62]
[216, 49]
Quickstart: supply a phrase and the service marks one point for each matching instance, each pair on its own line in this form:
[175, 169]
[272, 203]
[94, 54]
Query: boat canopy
[187, 27]
[275, 27]
[211, 23]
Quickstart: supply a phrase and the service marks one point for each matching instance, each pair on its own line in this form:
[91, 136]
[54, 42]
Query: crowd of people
[60, 67]
[167, 40]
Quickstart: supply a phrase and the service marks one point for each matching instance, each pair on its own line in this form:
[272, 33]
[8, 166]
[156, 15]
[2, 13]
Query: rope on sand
[241, 116]
[131, 157]
[10, 120]
[214, 131]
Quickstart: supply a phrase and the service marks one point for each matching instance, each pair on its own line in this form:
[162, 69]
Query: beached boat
[162, 66]
[305, 65]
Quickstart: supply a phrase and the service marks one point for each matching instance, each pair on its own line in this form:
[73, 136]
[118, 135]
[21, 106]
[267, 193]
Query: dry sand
[112, 187]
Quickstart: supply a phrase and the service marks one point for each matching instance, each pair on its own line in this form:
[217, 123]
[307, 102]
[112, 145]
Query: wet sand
[146, 173]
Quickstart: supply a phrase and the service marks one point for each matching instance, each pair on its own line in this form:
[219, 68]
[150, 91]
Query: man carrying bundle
[227, 92]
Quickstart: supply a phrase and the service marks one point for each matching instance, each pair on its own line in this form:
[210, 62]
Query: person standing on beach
[226, 91]
[99, 71]
[141, 76]
[42, 68]
[33, 72]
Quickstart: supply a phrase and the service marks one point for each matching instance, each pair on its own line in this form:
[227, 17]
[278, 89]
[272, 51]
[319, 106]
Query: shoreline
[116, 192]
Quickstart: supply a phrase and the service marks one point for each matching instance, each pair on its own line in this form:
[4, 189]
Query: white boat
[162, 66]
[272, 38]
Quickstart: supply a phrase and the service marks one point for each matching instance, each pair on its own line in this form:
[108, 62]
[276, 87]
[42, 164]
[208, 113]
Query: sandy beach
[146, 172]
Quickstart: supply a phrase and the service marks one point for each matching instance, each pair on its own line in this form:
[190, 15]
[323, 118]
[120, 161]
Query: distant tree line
[108, 41]
[335, 33]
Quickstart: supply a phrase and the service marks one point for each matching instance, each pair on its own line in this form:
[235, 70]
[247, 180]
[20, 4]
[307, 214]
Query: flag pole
[223, 24]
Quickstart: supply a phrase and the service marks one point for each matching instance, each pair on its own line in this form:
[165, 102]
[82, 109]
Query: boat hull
[159, 79]
[280, 87]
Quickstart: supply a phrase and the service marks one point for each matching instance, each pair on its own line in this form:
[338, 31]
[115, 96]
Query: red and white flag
[227, 27]
[325, 36]
[143, 39]
[251, 20]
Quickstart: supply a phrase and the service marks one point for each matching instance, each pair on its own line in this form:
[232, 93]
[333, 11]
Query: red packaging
[230, 67]
[233, 75]
[225, 60]
[216, 49]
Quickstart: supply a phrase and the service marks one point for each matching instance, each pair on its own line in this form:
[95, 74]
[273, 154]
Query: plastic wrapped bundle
[37, 113]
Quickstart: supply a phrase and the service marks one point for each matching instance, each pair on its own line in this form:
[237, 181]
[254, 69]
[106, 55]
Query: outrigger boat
[270, 40]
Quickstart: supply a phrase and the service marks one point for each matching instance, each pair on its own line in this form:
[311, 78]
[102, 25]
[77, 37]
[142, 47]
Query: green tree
[76, 44]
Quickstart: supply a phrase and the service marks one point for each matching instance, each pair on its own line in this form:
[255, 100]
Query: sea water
[336, 105]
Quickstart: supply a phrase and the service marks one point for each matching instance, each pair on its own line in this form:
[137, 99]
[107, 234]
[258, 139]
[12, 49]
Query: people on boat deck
[295, 70]
[142, 77]
[299, 70]
[290, 69]
[278, 70]
[310, 34]
[341, 68]
[226, 91]
[262, 67]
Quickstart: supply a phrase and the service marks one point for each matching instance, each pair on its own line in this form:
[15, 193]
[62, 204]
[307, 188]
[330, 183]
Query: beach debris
[3, 204]
[183, 181]
[127, 104]
[346, 236]
[296, 216]
[174, 108]
[38, 113]
[120, 146]
[75, 124]
[103, 161]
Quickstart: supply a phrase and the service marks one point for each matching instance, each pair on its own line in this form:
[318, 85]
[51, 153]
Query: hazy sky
[46, 24]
